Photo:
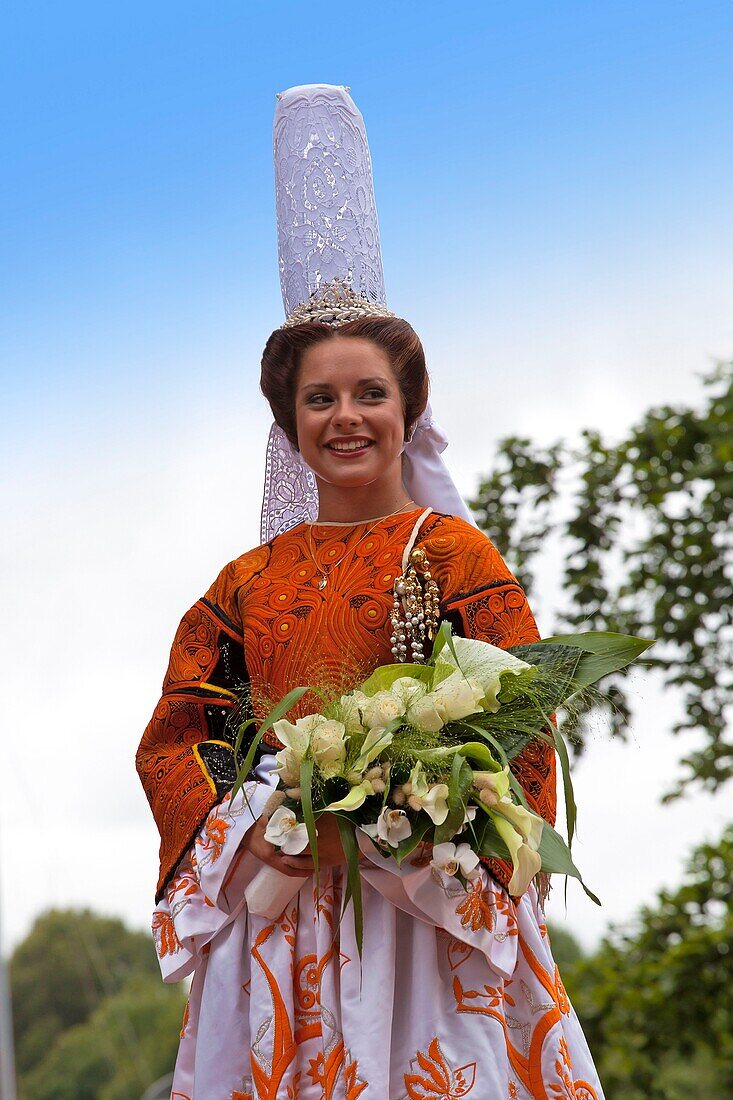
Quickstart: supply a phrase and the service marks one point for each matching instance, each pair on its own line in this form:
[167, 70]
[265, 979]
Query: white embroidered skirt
[457, 994]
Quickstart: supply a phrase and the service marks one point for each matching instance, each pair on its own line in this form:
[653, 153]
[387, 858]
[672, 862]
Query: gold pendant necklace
[324, 575]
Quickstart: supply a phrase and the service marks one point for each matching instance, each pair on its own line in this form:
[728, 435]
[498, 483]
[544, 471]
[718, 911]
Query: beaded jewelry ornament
[415, 602]
[415, 609]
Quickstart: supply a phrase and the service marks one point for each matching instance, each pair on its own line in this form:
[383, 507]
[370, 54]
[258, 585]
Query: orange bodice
[265, 626]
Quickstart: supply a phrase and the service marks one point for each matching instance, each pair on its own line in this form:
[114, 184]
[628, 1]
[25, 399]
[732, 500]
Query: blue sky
[553, 182]
[570, 141]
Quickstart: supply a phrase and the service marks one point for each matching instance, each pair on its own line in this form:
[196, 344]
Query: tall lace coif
[328, 240]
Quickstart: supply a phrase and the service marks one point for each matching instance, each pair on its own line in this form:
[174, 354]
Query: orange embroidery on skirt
[326, 1069]
[567, 1087]
[164, 932]
[474, 910]
[439, 1080]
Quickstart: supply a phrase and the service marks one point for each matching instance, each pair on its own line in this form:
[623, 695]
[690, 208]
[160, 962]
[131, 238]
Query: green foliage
[566, 950]
[656, 1001]
[87, 995]
[127, 1043]
[60, 973]
[644, 526]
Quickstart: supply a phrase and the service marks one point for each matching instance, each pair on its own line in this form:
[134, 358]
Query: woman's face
[348, 410]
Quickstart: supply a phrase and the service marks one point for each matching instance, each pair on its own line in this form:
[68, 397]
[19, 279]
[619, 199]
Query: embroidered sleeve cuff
[216, 759]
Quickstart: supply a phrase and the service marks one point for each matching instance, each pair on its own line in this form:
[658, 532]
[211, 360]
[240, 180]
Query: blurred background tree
[656, 1000]
[643, 531]
[92, 1019]
[643, 527]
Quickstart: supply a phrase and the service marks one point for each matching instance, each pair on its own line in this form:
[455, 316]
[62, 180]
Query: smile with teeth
[349, 445]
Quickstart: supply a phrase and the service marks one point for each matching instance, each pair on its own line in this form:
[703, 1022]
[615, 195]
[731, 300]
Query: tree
[128, 1042]
[645, 531]
[656, 1001]
[68, 963]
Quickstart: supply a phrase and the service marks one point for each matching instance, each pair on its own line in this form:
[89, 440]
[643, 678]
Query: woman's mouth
[348, 447]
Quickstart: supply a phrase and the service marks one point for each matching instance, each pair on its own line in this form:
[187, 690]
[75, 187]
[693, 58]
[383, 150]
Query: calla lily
[526, 861]
[286, 832]
[354, 799]
[526, 823]
[451, 858]
[483, 663]
[496, 782]
[433, 799]
[374, 742]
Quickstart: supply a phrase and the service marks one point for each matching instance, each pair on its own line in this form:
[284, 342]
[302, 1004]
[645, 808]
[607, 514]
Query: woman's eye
[318, 399]
[375, 392]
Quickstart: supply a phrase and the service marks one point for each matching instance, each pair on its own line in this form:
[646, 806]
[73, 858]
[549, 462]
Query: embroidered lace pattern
[326, 214]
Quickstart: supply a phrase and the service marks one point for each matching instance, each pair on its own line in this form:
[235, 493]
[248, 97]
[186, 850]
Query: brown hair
[284, 350]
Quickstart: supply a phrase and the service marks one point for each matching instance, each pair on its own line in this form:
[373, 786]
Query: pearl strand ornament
[415, 609]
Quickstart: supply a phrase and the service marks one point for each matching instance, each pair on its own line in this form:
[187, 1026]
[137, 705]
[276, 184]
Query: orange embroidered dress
[458, 994]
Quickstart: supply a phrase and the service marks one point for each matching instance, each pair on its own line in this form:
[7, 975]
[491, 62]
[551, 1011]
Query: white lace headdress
[331, 271]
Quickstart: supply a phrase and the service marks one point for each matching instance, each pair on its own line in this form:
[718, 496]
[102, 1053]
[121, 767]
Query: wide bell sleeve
[482, 599]
[186, 756]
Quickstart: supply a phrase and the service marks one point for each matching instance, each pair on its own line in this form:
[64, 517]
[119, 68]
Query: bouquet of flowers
[419, 754]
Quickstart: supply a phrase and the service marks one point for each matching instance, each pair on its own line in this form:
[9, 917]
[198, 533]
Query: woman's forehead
[348, 359]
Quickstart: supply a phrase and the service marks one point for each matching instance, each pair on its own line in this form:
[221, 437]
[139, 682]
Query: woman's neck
[353, 505]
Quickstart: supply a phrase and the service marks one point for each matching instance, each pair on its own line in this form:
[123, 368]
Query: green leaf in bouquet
[514, 685]
[556, 858]
[444, 637]
[488, 842]
[349, 843]
[306, 801]
[459, 784]
[419, 828]
[479, 754]
[277, 712]
[601, 653]
[383, 677]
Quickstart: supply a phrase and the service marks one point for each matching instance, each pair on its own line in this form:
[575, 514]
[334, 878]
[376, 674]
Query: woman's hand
[330, 852]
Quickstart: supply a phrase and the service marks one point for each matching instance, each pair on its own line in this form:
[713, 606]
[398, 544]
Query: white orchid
[391, 827]
[286, 832]
[432, 799]
[452, 858]
[483, 663]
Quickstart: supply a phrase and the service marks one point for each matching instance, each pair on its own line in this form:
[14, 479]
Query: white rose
[424, 715]
[328, 746]
[381, 709]
[457, 697]
[348, 709]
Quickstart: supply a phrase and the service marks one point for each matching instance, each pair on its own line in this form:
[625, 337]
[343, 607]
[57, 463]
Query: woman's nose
[346, 414]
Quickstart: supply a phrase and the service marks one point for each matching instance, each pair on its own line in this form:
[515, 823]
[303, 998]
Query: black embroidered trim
[504, 583]
[223, 618]
[219, 763]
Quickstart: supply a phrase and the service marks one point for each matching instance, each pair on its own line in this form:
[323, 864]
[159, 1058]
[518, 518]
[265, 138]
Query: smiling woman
[457, 992]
